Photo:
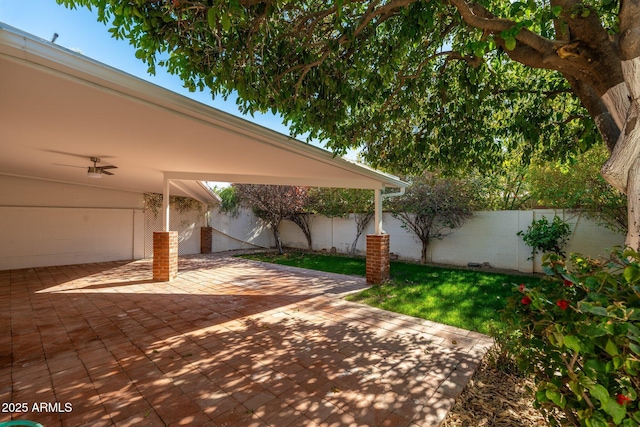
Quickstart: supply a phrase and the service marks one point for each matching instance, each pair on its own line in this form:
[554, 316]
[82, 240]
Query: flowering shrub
[578, 334]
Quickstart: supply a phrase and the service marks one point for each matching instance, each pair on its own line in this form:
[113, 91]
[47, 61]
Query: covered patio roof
[60, 108]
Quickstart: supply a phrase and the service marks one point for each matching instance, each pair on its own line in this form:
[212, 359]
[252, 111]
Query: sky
[79, 30]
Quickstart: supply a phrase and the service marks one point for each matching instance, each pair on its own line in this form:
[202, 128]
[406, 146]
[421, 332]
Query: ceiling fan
[94, 171]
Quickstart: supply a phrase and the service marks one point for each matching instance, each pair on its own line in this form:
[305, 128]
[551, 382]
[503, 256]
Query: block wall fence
[489, 237]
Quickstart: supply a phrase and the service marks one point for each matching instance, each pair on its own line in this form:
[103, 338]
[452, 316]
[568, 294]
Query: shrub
[546, 237]
[578, 334]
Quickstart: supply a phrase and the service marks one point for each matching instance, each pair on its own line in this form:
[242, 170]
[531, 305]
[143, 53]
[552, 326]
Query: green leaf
[339, 4]
[618, 362]
[510, 43]
[557, 398]
[556, 10]
[592, 330]
[590, 308]
[632, 314]
[597, 420]
[632, 367]
[600, 393]
[573, 343]
[617, 411]
[541, 396]
[635, 348]
[631, 273]
[596, 366]
[212, 15]
[576, 388]
[556, 338]
[226, 21]
[611, 348]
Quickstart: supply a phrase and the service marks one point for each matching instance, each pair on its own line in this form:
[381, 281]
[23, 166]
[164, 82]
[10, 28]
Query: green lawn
[468, 299]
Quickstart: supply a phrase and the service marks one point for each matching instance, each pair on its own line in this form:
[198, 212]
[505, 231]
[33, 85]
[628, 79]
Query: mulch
[495, 398]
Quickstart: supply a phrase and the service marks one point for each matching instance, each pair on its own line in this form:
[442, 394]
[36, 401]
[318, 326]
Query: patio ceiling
[61, 108]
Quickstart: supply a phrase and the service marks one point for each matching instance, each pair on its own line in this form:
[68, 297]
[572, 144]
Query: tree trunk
[276, 235]
[633, 207]
[361, 223]
[423, 254]
[622, 170]
[302, 221]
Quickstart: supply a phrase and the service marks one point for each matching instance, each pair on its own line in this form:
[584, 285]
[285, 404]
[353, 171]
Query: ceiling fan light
[94, 173]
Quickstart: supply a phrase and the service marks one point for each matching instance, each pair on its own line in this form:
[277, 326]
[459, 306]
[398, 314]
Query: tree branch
[629, 29]
[597, 110]
[586, 54]
[475, 15]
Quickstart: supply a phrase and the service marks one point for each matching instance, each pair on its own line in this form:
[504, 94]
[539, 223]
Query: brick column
[206, 240]
[378, 262]
[165, 256]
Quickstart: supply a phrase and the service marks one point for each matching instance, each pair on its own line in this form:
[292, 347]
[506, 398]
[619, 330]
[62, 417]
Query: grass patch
[468, 299]
[330, 263]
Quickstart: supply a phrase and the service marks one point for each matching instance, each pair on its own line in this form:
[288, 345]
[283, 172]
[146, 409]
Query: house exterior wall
[46, 223]
[487, 237]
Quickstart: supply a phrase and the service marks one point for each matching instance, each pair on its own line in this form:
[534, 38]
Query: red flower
[526, 300]
[563, 304]
[567, 282]
[622, 399]
[521, 287]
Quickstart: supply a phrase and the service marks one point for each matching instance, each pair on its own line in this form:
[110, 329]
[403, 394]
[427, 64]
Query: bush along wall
[578, 334]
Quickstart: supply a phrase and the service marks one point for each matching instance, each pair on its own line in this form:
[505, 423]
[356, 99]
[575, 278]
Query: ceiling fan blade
[107, 172]
[70, 166]
[108, 167]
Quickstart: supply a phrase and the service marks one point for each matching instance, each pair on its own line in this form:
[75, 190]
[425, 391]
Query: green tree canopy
[341, 202]
[273, 204]
[433, 207]
[567, 186]
[449, 83]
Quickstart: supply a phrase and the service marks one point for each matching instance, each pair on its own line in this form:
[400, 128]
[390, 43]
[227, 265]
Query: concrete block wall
[242, 232]
[489, 237]
[327, 233]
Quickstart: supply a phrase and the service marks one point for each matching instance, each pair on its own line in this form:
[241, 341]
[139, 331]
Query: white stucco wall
[48, 223]
[487, 237]
[242, 232]
[326, 233]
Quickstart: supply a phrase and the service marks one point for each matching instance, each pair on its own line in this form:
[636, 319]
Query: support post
[165, 204]
[378, 259]
[206, 240]
[165, 244]
[377, 217]
[165, 256]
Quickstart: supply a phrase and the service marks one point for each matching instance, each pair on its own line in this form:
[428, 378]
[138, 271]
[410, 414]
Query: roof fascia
[26, 47]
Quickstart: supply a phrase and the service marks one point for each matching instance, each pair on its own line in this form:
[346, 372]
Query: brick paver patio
[231, 342]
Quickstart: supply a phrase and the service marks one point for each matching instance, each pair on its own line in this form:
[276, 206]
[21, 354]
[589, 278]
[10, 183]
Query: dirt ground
[495, 398]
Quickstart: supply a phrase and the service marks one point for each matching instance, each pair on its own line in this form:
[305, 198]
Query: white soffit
[61, 108]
